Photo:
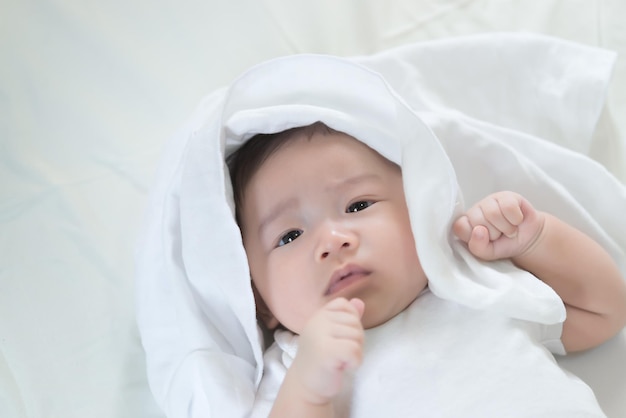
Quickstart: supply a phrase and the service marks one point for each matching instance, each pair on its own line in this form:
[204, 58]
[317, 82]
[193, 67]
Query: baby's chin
[373, 321]
[376, 322]
[377, 317]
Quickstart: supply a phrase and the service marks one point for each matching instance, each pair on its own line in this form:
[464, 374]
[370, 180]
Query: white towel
[463, 117]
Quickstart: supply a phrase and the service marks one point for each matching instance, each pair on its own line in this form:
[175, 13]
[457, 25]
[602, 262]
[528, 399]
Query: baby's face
[326, 218]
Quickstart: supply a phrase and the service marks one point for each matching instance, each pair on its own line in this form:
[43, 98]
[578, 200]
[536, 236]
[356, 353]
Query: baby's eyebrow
[276, 211]
[351, 181]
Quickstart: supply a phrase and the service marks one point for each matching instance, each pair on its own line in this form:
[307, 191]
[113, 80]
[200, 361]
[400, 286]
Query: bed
[90, 94]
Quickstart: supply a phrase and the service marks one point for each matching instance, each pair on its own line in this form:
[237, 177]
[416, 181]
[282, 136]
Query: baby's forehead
[316, 154]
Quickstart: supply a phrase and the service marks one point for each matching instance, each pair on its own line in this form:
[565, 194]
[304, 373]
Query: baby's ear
[262, 311]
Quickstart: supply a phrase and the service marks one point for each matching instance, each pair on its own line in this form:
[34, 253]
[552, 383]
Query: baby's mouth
[344, 277]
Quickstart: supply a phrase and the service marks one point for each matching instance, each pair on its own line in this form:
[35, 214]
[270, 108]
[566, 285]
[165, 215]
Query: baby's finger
[479, 244]
[341, 318]
[480, 214]
[339, 305]
[341, 312]
[359, 305]
[498, 223]
[511, 208]
[344, 305]
[462, 228]
[343, 333]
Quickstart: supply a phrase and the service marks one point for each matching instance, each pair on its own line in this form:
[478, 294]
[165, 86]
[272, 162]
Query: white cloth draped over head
[462, 117]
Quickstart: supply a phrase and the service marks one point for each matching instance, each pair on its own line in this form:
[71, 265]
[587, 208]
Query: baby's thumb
[359, 305]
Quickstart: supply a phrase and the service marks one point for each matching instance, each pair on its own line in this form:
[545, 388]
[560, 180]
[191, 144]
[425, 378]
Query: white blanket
[463, 117]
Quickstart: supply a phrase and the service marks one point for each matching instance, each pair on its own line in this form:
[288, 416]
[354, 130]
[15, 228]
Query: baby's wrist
[532, 249]
[295, 399]
[304, 387]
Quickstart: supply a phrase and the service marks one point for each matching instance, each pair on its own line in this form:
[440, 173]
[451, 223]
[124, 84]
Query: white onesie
[441, 359]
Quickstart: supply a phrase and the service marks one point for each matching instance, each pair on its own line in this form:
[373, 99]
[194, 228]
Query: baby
[327, 234]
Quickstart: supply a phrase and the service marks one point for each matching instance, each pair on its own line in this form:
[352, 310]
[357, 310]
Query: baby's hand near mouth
[502, 225]
[330, 344]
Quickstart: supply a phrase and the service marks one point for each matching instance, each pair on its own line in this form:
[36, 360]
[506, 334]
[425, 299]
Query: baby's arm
[330, 344]
[505, 225]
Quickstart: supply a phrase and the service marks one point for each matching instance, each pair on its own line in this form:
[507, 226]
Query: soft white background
[89, 92]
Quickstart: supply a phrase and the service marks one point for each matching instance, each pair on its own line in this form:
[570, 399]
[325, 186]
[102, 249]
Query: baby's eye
[289, 237]
[358, 206]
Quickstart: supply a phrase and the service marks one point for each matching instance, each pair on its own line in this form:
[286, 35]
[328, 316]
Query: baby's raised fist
[502, 225]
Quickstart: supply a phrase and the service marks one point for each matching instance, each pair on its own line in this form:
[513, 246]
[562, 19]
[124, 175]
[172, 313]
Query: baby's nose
[336, 240]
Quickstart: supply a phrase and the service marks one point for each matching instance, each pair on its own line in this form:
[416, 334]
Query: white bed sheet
[90, 91]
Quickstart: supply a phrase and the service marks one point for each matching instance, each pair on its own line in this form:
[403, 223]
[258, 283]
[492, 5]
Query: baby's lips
[342, 273]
